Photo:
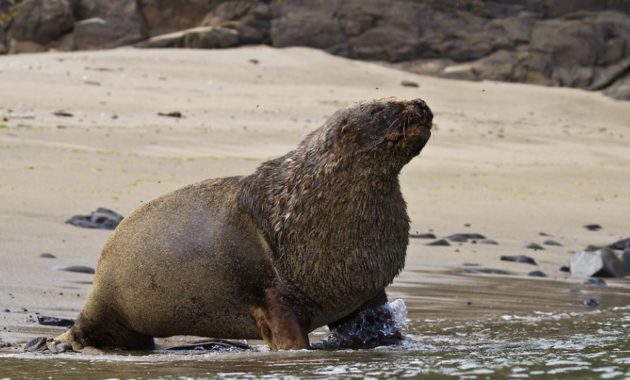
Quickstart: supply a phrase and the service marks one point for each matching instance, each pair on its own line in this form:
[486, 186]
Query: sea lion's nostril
[421, 108]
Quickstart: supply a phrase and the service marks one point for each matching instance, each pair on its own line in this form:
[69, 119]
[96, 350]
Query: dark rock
[41, 21]
[76, 269]
[591, 302]
[458, 238]
[593, 227]
[592, 281]
[565, 268]
[313, 23]
[537, 273]
[625, 258]
[7, 310]
[464, 237]
[107, 24]
[620, 245]
[427, 235]
[601, 263]
[552, 243]
[250, 19]
[485, 271]
[63, 114]
[370, 328]
[552, 42]
[102, 218]
[167, 16]
[37, 344]
[175, 114]
[440, 243]
[54, 321]
[620, 89]
[532, 245]
[409, 83]
[488, 242]
[519, 259]
[47, 255]
[196, 38]
[544, 234]
[593, 248]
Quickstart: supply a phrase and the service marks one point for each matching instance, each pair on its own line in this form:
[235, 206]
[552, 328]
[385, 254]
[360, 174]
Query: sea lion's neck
[329, 214]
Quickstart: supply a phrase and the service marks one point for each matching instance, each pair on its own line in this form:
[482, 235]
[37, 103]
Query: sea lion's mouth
[411, 128]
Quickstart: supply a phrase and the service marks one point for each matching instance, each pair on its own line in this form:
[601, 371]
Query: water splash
[371, 328]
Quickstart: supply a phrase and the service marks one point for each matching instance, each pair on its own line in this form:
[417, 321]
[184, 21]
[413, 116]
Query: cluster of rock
[575, 43]
[609, 261]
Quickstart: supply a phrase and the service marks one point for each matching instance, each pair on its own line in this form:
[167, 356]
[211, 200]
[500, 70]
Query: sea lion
[309, 239]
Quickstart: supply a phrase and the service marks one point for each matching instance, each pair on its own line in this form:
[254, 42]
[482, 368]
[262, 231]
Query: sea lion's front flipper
[278, 325]
[63, 343]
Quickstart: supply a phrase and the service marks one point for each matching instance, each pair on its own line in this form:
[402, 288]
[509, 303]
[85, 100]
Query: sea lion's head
[390, 131]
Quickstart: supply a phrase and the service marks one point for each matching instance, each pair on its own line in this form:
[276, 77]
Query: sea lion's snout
[414, 120]
[422, 111]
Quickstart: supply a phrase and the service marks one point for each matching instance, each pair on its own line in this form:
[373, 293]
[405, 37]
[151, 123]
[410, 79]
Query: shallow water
[462, 330]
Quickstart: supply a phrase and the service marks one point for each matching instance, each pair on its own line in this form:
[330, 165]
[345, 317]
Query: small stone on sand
[593, 227]
[485, 271]
[519, 259]
[54, 321]
[537, 273]
[552, 243]
[532, 245]
[427, 235]
[488, 242]
[76, 269]
[591, 302]
[174, 114]
[102, 218]
[592, 281]
[439, 243]
[409, 83]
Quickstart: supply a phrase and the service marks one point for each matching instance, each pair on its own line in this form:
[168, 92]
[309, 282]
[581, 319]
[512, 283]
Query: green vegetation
[8, 15]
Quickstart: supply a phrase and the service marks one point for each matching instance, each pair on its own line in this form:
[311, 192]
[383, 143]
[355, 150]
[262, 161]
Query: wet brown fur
[307, 240]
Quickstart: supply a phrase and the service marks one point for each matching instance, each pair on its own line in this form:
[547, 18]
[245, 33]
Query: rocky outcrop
[601, 263]
[575, 43]
[106, 24]
[207, 37]
[37, 22]
[168, 16]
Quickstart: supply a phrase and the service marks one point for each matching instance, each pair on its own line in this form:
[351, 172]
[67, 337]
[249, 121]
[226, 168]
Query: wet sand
[508, 161]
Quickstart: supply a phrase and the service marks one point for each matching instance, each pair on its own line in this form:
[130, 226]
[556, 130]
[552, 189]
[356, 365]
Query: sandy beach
[509, 161]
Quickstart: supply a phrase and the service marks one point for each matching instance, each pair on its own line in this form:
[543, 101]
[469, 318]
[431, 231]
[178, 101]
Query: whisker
[392, 123]
[406, 125]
